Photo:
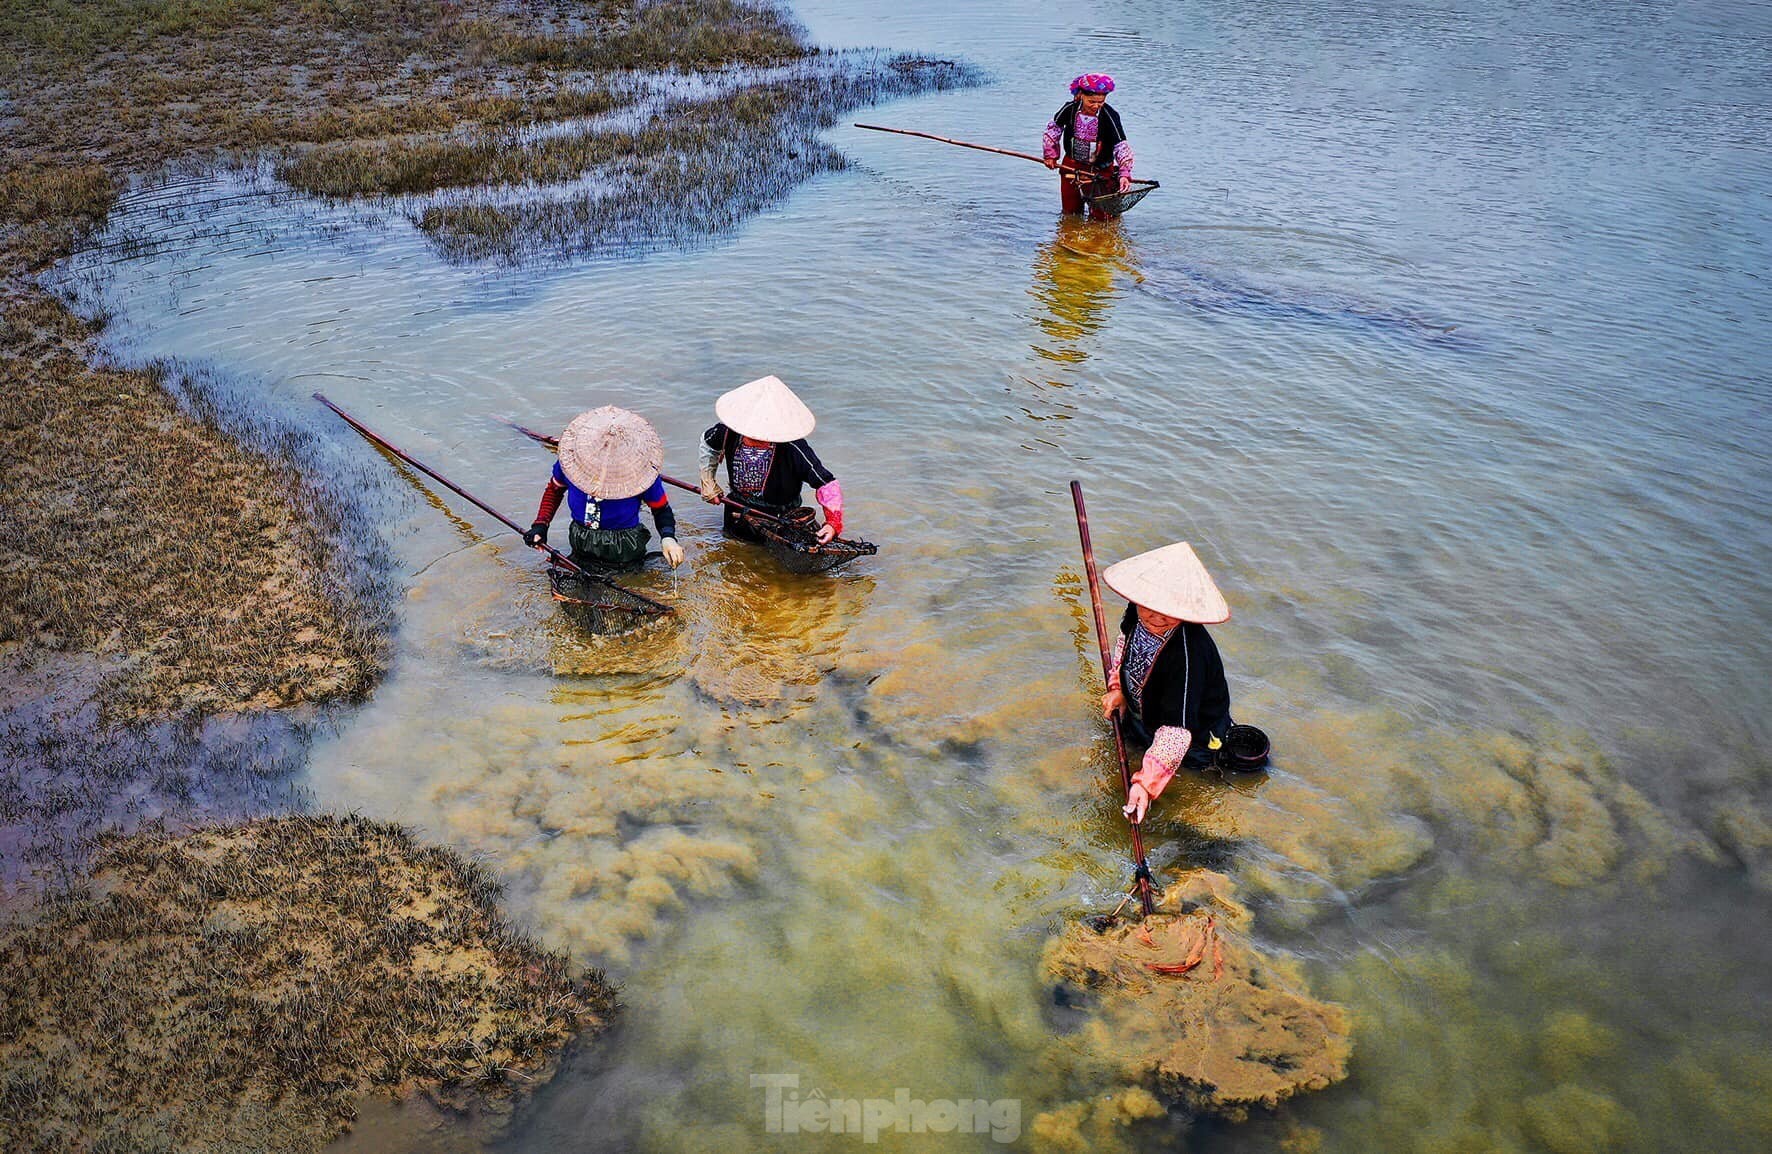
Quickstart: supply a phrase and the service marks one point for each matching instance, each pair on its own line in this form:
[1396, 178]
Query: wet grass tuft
[391, 167]
[695, 169]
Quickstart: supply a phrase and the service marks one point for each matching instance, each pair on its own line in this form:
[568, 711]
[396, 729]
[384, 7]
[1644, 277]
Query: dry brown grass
[242, 987]
[46, 209]
[683, 34]
[136, 83]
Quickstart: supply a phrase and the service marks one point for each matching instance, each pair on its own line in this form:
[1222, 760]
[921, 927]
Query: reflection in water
[746, 632]
[763, 634]
[1075, 276]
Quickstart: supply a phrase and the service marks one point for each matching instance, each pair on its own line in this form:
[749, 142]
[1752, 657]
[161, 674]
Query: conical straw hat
[765, 409]
[611, 453]
[1172, 581]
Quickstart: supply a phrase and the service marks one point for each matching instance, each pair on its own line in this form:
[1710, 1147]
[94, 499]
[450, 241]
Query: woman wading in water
[1167, 683]
[761, 435]
[1087, 144]
[609, 463]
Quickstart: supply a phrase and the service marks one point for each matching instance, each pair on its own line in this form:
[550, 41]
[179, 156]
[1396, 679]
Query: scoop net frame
[597, 604]
[1108, 203]
[1116, 203]
[793, 542]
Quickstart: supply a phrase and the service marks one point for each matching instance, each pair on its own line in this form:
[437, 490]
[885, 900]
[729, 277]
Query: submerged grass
[62, 787]
[241, 987]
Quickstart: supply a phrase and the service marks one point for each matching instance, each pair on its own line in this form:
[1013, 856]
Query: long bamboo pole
[1142, 872]
[1075, 175]
[653, 608]
[725, 499]
[950, 140]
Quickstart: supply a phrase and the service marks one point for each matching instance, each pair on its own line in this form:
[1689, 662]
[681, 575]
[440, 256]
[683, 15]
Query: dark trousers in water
[1200, 754]
[609, 548]
[744, 529]
[1072, 186]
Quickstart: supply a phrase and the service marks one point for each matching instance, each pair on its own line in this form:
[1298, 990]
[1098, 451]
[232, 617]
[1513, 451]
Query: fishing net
[597, 604]
[1116, 203]
[1187, 999]
[793, 541]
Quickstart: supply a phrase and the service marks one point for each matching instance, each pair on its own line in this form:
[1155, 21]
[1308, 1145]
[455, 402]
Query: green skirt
[609, 546]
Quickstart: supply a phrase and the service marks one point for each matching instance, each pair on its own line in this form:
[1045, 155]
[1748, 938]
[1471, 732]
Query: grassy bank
[242, 987]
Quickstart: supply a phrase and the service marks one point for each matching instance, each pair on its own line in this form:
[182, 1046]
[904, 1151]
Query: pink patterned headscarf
[1094, 83]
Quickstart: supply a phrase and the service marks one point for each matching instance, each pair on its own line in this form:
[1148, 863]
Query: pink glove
[1161, 760]
[830, 499]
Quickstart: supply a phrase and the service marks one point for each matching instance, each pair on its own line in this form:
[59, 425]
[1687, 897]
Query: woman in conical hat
[1167, 683]
[1087, 143]
[609, 463]
[761, 435]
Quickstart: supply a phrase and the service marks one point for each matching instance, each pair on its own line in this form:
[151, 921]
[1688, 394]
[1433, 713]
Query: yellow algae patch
[1571, 1040]
[604, 806]
[1455, 1056]
[1573, 1120]
[1209, 889]
[1359, 797]
[1095, 1126]
[243, 986]
[1184, 1005]
[917, 694]
[1745, 832]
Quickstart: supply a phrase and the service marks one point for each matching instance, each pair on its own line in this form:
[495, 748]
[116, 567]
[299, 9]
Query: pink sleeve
[1123, 157]
[830, 499]
[1162, 759]
[1049, 142]
[1114, 666]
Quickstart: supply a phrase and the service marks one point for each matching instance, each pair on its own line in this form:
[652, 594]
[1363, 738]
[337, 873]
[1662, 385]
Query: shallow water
[1444, 343]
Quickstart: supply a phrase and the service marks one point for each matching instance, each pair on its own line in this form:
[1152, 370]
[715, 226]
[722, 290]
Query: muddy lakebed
[1463, 402]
